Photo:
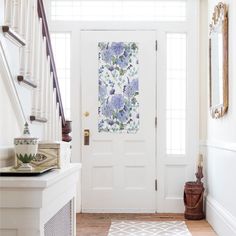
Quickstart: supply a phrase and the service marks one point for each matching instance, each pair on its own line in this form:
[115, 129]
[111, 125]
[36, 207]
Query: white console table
[39, 206]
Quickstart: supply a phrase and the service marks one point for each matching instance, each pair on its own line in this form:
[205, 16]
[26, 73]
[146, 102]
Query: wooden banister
[46, 34]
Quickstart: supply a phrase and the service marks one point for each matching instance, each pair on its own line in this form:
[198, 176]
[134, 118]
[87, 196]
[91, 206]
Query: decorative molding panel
[220, 154]
[228, 146]
[220, 219]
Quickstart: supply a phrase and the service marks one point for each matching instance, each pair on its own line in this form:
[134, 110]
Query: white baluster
[36, 63]
[57, 122]
[51, 112]
[54, 115]
[24, 31]
[24, 22]
[8, 12]
[34, 41]
[44, 75]
[40, 79]
[28, 37]
[50, 101]
[22, 17]
[15, 15]
[37, 67]
[60, 129]
[46, 92]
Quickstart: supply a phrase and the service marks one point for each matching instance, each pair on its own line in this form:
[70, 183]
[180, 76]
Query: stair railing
[26, 24]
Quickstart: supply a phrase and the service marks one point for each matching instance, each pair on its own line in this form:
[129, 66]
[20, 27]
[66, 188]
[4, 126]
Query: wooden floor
[98, 224]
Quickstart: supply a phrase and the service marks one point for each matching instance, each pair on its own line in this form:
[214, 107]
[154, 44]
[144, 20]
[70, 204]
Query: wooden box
[52, 154]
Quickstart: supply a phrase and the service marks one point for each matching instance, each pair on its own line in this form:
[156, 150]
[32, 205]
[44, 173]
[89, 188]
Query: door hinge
[155, 121]
[155, 184]
[156, 45]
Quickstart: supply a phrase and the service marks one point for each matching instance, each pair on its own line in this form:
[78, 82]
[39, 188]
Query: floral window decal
[118, 110]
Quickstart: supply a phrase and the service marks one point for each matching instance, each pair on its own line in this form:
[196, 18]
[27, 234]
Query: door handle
[86, 114]
[86, 137]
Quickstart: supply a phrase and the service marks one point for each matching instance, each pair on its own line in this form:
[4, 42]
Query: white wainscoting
[220, 175]
[223, 222]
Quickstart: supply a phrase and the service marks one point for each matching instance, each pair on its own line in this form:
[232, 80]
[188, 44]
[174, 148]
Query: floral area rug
[148, 228]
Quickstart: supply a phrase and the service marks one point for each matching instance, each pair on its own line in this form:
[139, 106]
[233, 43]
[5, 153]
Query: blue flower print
[117, 48]
[111, 122]
[102, 90]
[117, 101]
[112, 91]
[131, 88]
[122, 116]
[107, 55]
[110, 68]
[127, 52]
[123, 62]
[134, 84]
[107, 110]
[118, 109]
[129, 91]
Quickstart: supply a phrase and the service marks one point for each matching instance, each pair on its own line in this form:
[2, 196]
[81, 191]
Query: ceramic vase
[26, 148]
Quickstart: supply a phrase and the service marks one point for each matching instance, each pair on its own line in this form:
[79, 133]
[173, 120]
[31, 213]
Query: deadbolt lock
[86, 133]
[86, 136]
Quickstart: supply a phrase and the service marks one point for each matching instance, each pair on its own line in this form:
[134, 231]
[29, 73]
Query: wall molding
[227, 146]
[223, 222]
[7, 155]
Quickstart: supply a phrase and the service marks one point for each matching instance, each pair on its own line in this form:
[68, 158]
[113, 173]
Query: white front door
[118, 71]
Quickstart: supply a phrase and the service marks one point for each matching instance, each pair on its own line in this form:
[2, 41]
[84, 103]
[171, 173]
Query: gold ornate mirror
[218, 49]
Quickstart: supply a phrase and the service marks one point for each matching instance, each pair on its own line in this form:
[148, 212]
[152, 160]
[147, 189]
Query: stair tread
[14, 36]
[38, 119]
[22, 79]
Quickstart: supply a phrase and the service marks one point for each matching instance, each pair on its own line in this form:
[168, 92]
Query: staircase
[32, 69]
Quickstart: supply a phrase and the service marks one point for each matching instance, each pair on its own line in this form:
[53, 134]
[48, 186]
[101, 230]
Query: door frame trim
[191, 26]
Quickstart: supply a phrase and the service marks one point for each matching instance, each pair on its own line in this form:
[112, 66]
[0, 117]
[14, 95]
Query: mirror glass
[217, 66]
[219, 61]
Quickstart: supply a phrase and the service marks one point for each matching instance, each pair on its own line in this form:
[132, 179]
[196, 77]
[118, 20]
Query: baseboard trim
[85, 210]
[228, 146]
[222, 221]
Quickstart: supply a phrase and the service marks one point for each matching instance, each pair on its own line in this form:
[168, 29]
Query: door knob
[86, 137]
[86, 114]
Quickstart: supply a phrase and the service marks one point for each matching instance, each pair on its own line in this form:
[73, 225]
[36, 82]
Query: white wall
[225, 128]
[9, 127]
[9, 124]
[219, 139]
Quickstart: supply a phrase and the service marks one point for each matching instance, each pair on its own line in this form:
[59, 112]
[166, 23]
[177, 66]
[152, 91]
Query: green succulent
[26, 158]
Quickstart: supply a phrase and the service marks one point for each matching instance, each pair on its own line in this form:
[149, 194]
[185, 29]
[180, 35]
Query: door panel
[118, 70]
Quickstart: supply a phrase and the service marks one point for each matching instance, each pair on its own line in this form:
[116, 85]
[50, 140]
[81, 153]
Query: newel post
[66, 130]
